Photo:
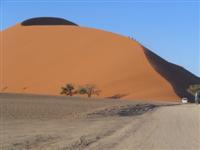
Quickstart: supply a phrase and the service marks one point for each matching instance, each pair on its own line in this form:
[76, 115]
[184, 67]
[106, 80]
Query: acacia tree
[68, 89]
[89, 90]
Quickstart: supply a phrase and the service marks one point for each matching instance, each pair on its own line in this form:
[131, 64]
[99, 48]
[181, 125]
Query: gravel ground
[65, 123]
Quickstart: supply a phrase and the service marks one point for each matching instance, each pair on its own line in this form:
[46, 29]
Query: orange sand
[41, 59]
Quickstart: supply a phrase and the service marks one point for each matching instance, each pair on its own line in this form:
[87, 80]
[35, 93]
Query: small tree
[68, 89]
[194, 88]
[89, 90]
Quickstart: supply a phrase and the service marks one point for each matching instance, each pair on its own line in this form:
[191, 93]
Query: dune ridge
[41, 59]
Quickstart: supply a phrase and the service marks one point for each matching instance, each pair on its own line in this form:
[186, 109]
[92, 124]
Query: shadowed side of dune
[47, 21]
[177, 76]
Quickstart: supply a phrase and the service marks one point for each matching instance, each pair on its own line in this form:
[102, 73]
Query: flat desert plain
[31, 122]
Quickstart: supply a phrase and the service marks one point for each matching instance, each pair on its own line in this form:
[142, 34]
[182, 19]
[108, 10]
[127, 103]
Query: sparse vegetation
[194, 88]
[88, 89]
[67, 90]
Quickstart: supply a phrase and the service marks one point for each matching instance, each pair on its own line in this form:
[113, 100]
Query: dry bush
[68, 89]
[89, 90]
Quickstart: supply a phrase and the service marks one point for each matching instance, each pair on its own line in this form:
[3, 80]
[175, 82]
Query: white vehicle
[184, 100]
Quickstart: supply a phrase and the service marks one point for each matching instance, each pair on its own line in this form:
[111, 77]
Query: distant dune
[41, 58]
[47, 21]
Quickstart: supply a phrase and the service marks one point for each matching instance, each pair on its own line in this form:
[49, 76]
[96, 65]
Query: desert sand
[39, 59]
[31, 122]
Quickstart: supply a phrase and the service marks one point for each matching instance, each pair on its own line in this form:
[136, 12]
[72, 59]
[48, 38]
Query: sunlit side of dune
[41, 59]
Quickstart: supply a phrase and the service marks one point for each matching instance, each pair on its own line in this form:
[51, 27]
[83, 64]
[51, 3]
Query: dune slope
[177, 76]
[41, 59]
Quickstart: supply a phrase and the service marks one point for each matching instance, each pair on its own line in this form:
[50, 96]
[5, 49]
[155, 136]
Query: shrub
[68, 89]
[89, 89]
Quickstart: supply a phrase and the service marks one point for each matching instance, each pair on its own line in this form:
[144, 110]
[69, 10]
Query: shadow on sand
[177, 76]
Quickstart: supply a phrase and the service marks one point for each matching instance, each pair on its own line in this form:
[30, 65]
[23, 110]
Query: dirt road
[167, 128]
[59, 123]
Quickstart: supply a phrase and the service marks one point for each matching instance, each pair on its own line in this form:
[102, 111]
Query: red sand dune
[40, 59]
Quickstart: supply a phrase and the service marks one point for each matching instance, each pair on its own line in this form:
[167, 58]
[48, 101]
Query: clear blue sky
[170, 28]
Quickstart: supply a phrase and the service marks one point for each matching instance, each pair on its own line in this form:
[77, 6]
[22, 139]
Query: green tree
[89, 90]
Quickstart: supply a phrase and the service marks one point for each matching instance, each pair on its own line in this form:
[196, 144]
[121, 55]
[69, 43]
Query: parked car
[184, 100]
[197, 97]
